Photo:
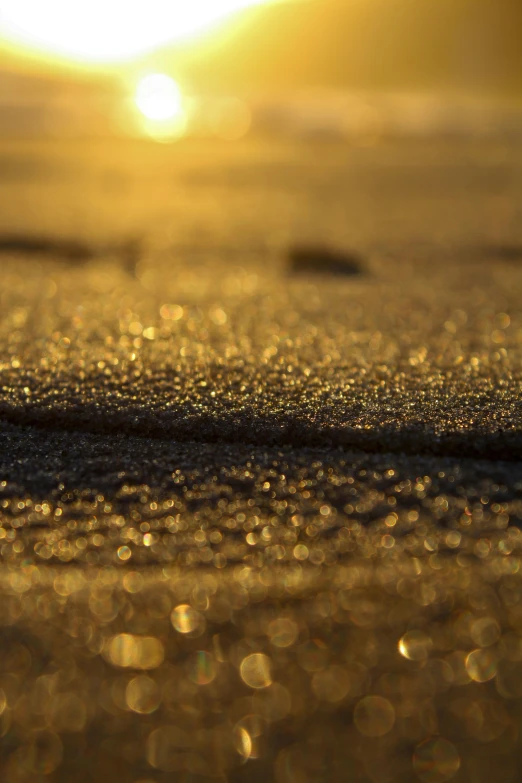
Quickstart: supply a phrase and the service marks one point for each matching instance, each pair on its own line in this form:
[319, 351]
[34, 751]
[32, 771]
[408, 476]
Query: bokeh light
[255, 670]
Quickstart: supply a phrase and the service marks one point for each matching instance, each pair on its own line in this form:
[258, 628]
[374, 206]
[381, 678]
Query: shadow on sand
[184, 422]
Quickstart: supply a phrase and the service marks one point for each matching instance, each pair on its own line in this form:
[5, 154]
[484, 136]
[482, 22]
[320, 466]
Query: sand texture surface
[260, 462]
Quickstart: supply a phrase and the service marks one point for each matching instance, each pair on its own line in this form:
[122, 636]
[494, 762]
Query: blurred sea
[36, 106]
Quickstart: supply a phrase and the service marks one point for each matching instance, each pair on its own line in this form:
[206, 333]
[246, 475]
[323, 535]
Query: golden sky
[105, 31]
[266, 45]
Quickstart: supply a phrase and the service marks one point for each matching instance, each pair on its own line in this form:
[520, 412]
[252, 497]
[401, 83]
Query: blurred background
[359, 69]
[258, 123]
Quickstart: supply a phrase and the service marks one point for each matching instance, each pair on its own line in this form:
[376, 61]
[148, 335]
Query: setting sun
[159, 101]
[109, 30]
[158, 97]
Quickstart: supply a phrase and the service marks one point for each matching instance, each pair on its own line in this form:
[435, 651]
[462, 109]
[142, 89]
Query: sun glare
[109, 30]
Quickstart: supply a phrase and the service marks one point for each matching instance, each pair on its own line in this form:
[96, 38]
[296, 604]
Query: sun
[158, 97]
[161, 107]
[106, 31]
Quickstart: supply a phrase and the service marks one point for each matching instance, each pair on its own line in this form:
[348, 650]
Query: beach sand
[260, 519]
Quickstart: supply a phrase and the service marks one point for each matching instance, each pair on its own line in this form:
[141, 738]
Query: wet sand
[261, 522]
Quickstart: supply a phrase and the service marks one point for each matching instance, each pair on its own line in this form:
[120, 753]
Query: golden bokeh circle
[187, 620]
[142, 695]
[283, 632]
[415, 645]
[255, 671]
[202, 668]
[481, 665]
